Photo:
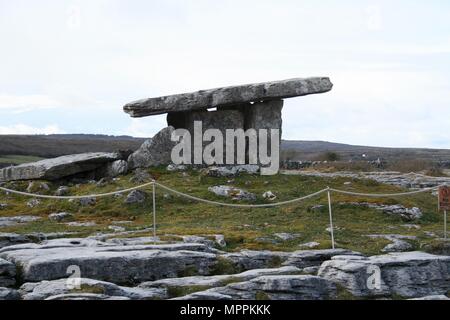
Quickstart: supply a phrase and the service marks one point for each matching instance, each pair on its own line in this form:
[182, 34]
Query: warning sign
[444, 198]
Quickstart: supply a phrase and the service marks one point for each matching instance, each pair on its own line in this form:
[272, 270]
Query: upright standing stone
[265, 115]
[153, 152]
[220, 119]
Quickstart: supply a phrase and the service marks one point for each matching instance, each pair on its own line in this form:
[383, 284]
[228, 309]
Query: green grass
[241, 227]
[18, 159]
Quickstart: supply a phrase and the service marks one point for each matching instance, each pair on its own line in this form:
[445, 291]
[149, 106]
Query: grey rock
[311, 270]
[198, 239]
[398, 242]
[135, 196]
[407, 213]
[112, 263]
[176, 167]
[81, 224]
[310, 245]
[9, 294]
[412, 180]
[438, 297]
[116, 228]
[3, 206]
[269, 195]
[89, 201]
[116, 168]
[12, 239]
[232, 171]
[409, 274]
[15, 220]
[45, 289]
[398, 246]
[219, 280]
[133, 241]
[154, 152]
[277, 287]
[60, 216]
[249, 259]
[228, 96]
[37, 187]
[287, 236]
[57, 168]
[33, 203]
[411, 226]
[85, 297]
[232, 192]
[140, 176]
[311, 258]
[205, 295]
[62, 191]
[395, 210]
[7, 273]
[430, 234]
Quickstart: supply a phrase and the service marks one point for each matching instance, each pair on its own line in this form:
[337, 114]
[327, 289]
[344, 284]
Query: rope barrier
[34, 195]
[240, 205]
[383, 195]
[153, 183]
[374, 195]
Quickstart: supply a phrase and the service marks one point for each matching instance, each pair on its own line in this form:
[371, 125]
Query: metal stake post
[331, 218]
[445, 224]
[154, 211]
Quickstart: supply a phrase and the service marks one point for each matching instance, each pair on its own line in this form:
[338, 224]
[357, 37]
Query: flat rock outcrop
[219, 280]
[7, 273]
[46, 289]
[409, 275]
[113, 263]
[57, 168]
[9, 294]
[229, 96]
[278, 287]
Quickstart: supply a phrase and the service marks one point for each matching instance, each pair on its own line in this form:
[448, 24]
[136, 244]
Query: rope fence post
[154, 210]
[331, 217]
[445, 224]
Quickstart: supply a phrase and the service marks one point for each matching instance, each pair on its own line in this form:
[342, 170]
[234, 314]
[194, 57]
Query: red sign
[444, 198]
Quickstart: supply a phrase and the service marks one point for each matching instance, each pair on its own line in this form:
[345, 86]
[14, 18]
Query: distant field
[18, 159]
[49, 146]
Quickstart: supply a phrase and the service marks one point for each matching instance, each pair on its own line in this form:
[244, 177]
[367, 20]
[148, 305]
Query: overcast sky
[70, 66]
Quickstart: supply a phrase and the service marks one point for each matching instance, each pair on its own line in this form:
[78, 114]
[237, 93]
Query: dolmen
[252, 106]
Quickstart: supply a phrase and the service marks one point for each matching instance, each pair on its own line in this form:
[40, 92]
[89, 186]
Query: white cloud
[27, 102]
[144, 127]
[25, 129]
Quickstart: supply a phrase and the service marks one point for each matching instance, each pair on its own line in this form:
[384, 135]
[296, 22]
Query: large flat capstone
[229, 96]
[57, 168]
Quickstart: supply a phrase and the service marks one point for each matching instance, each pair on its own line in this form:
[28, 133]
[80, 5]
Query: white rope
[382, 195]
[222, 203]
[76, 197]
[240, 205]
